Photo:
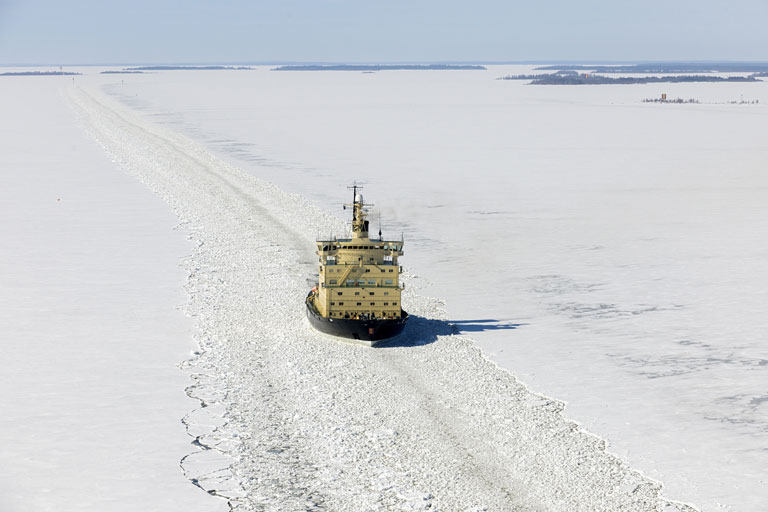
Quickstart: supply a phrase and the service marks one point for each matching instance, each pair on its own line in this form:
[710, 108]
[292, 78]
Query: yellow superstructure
[359, 276]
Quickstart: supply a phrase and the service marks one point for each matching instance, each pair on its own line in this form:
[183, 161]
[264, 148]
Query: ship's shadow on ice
[423, 331]
[485, 324]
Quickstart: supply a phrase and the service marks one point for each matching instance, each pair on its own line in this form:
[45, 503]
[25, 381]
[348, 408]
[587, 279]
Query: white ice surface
[90, 331]
[626, 239]
[305, 422]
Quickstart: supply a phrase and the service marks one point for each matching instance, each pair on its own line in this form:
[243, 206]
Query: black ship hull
[370, 330]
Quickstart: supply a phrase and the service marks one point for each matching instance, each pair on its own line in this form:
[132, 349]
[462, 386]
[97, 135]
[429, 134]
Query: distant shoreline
[570, 77]
[379, 67]
[39, 73]
[188, 68]
[664, 67]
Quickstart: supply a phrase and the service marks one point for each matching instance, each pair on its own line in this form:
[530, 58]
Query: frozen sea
[610, 253]
[90, 324]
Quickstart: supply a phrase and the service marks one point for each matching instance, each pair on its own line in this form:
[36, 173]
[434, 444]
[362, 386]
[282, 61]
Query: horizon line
[389, 62]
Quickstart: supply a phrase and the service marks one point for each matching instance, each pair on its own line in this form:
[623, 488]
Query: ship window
[373, 303]
[370, 259]
[357, 293]
[368, 270]
[388, 281]
[350, 282]
[394, 303]
[333, 303]
[371, 281]
[386, 303]
[359, 303]
[338, 293]
[341, 303]
[390, 270]
[372, 293]
[333, 281]
[385, 293]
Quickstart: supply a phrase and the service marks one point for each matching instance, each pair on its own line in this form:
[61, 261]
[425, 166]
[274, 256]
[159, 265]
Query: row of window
[385, 314]
[361, 282]
[360, 304]
[330, 270]
[351, 282]
[358, 293]
[361, 247]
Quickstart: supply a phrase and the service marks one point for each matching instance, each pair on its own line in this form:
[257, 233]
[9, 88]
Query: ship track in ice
[303, 423]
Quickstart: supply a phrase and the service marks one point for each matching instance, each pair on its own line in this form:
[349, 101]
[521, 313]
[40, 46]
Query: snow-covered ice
[618, 246]
[425, 422]
[617, 265]
[91, 337]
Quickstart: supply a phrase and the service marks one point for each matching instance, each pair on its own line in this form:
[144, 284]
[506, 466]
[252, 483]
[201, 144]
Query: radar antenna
[354, 188]
[359, 212]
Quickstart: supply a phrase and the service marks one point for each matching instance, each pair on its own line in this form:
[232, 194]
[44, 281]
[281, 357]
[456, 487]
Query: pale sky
[174, 31]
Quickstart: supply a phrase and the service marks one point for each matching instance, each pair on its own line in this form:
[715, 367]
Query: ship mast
[359, 213]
